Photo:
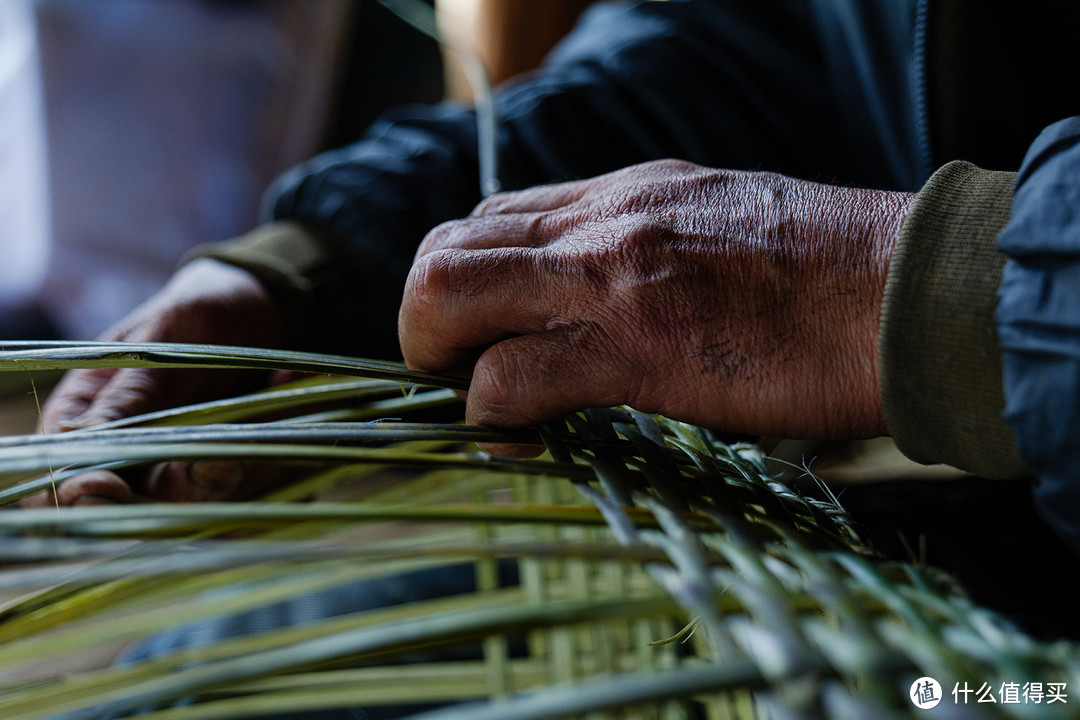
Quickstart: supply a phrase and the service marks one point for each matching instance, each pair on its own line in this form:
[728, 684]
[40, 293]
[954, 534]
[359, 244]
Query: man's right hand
[207, 301]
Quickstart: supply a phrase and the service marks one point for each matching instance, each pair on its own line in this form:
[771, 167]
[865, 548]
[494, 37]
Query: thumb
[541, 376]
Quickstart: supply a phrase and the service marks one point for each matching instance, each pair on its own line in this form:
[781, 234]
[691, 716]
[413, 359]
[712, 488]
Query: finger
[534, 378]
[214, 480]
[127, 392]
[97, 487]
[459, 300]
[545, 198]
[535, 199]
[71, 398]
[534, 229]
[133, 391]
[43, 499]
[180, 481]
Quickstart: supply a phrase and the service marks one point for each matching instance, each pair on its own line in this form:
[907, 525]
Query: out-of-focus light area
[24, 216]
[132, 131]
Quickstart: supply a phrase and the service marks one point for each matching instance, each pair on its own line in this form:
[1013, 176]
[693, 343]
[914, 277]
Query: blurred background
[133, 130]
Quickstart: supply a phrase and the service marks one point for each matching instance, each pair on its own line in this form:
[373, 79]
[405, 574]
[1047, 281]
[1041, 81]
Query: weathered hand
[205, 302]
[741, 301]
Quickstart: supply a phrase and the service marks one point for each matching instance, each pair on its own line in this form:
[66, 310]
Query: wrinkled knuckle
[495, 204]
[677, 167]
[421, 305]
[549, 227]
[640, 233]
[429, 279]
[772, 189]
[637, 245]
[440, 237]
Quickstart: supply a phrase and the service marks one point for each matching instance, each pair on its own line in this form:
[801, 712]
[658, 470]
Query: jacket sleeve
[1038, 319]
[608, 97]
[940, 360]
[345, 225]
[980, 331]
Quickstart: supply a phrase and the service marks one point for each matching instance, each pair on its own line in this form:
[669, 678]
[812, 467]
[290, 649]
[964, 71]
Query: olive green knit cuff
[940, 366]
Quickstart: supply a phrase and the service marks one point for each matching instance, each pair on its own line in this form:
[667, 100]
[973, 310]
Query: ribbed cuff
[940, 361]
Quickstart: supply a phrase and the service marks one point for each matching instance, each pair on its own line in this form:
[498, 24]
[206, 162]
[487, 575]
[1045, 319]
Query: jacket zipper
[922, 112]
